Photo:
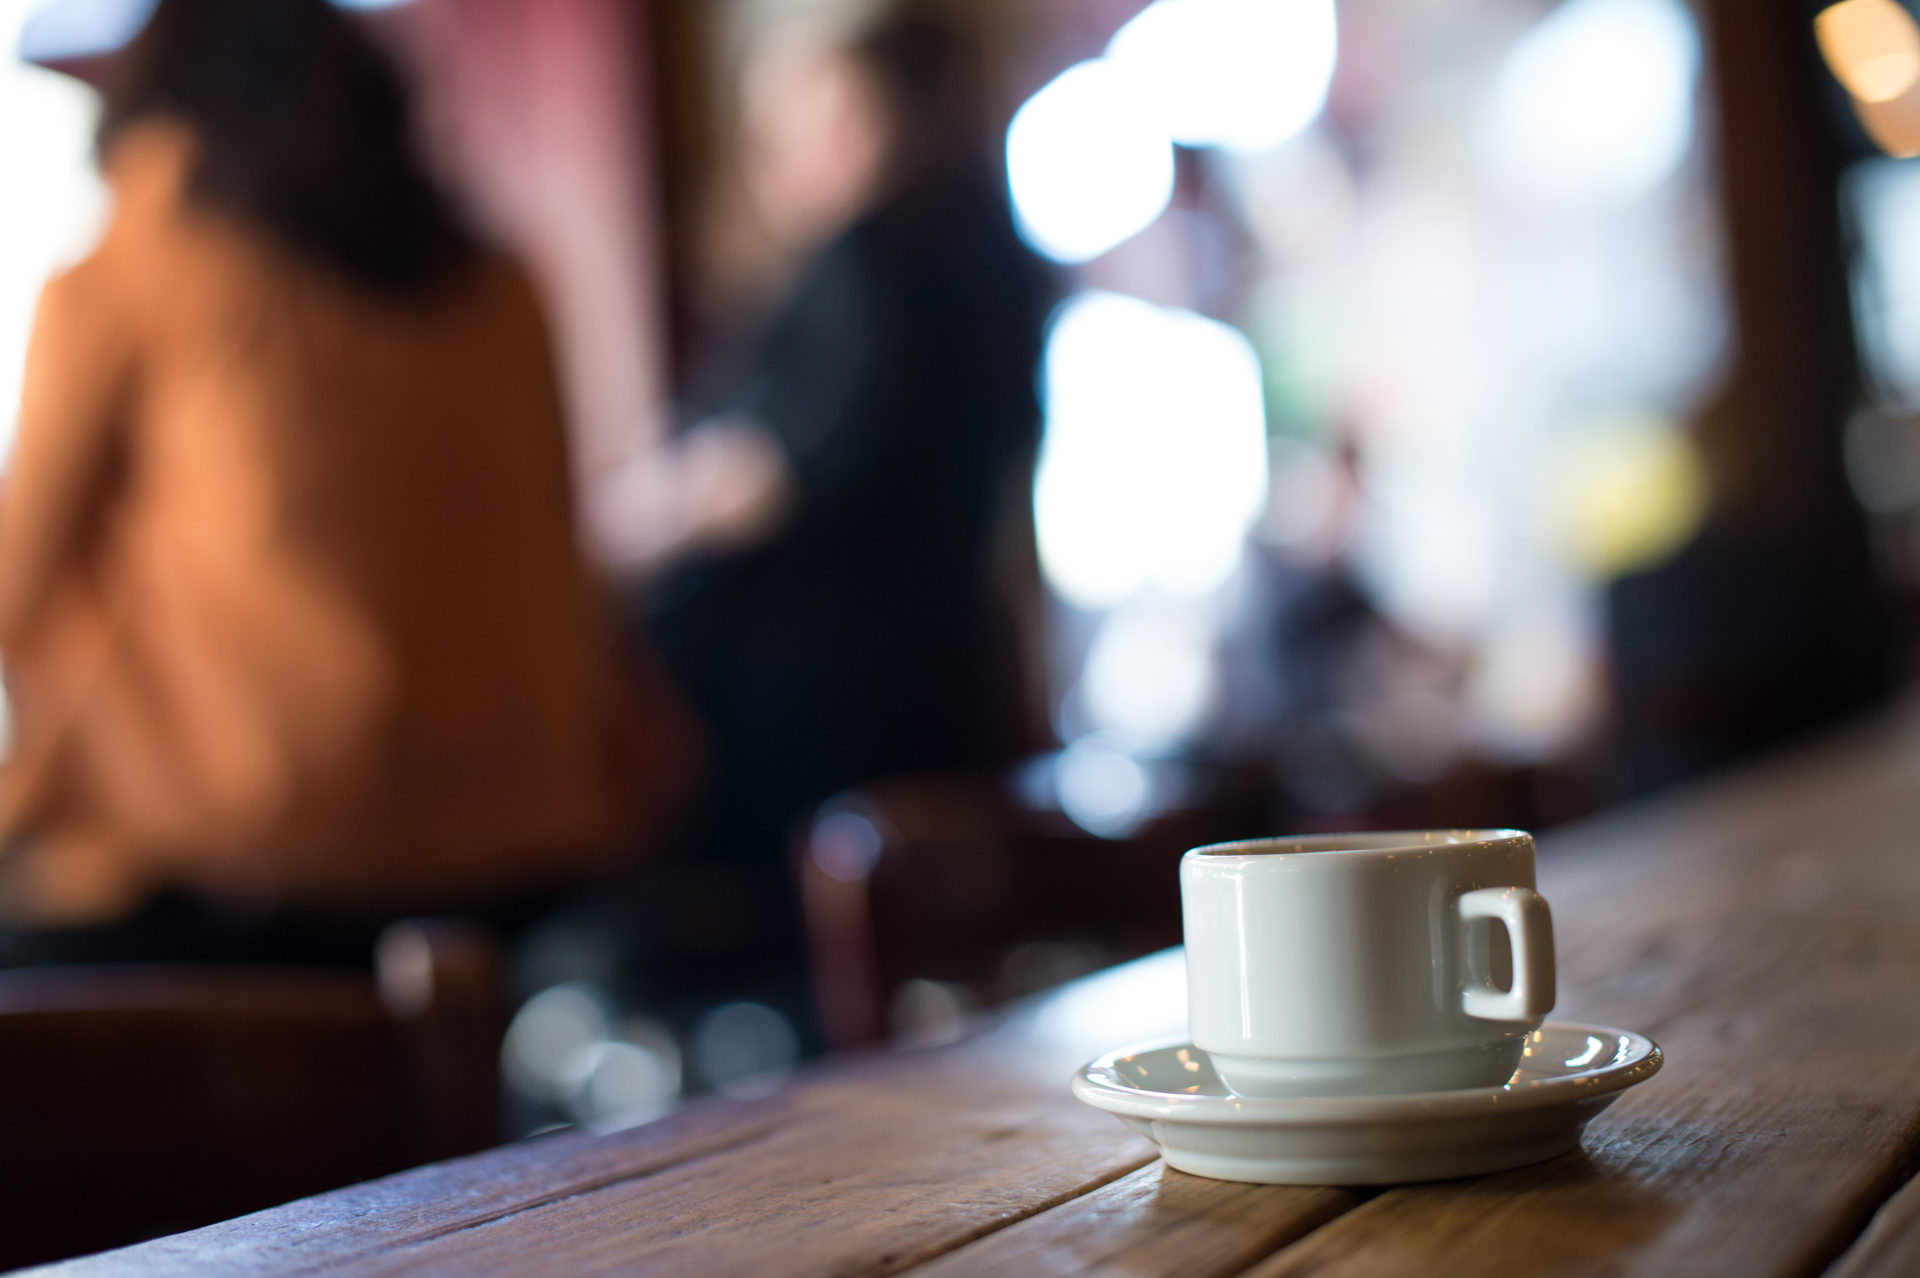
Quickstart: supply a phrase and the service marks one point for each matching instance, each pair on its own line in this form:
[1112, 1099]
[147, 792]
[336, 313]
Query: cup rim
[1370, 843]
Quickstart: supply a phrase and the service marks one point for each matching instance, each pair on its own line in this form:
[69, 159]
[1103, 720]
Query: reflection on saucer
[1170, 1093]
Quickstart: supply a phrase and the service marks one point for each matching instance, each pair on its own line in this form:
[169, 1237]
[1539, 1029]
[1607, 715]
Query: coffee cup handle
[1523, 912]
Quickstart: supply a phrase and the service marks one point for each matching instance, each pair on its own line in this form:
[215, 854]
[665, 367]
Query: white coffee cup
[1348, 964]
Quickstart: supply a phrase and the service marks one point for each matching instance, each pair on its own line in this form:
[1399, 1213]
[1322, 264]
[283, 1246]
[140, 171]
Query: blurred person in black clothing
[1767, 625]
[832, 612]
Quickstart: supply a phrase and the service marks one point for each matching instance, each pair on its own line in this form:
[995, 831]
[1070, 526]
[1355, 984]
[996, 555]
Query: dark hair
[305, 133]
[931, 75]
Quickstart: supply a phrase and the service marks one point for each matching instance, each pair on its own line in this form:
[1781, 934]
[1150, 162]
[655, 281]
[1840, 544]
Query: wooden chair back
[946, 876]
[142, 1100]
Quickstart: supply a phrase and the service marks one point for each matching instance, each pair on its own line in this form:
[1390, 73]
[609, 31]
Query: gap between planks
[635, 1243]
[1888, 1246]
[882, 1266]
[1152, 1220]
[995, 1228]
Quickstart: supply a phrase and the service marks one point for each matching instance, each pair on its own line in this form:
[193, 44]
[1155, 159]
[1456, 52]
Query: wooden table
[1765, 928]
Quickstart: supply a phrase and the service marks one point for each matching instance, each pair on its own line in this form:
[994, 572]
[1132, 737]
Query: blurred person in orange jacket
[291, 608]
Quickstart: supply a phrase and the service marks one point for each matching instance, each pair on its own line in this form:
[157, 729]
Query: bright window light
[1596, 101]
[1244, 75]
[1883, 199]
[1149, 677]
[1154, 463]
[54, 200]
[61, 30]
[1088, 163]
[1432, 549]
[56, 30]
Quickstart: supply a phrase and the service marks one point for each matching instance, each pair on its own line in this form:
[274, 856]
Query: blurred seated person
[291, 609]
[827, 595]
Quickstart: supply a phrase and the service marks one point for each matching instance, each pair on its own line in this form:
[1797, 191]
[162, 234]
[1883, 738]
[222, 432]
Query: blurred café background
[1031, 436]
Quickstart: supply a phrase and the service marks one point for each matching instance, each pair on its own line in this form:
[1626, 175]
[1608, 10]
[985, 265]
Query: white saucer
[1169, 1093]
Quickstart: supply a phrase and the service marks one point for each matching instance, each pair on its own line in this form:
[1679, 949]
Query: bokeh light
[846, 844]
[744, 1049]
[55, 30]
[1535, 682]
[1154, 465]
[1871, 46]
[1433, 547]
[630, 1079]
[1243, 75]
[1088, 163]
[62, 30]
[551, 1037]
[1306, 493]
[1631, 492]
[1101, 787]
[1883, 462]
[1893, 125]
[1596, 101]
[1149, 677]
[922, 1014]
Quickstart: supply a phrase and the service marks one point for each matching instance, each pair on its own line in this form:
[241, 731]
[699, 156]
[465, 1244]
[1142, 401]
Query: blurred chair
[139, 1101]
[957, 885]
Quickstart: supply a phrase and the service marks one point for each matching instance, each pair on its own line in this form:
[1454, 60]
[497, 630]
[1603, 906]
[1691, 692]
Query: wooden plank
[312, 1233]
[1764, 929]
[1891, 1246]
[865, 1178]
[1768, 934]
[1156, 1221]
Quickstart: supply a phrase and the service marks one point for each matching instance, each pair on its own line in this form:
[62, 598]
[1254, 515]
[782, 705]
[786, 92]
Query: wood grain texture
[1156, 1221]
[859, 1179]
[1767, 932]
[1765, 929]
[1890, 1248]
[426, 1202]
[938, 1147]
